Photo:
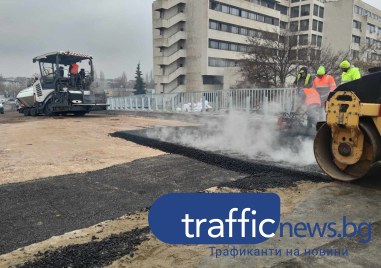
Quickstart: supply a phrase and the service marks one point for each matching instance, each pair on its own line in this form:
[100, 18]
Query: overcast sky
[375, 3]
[118, 33]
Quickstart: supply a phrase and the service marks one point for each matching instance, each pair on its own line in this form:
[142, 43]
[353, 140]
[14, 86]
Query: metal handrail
[260, 100]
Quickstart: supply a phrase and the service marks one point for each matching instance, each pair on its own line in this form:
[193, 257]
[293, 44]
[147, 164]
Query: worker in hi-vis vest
[303, 79]
[349, 72]
[313, 104]
[324, 84]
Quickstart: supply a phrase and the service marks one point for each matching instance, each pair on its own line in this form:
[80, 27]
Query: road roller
[348, 144]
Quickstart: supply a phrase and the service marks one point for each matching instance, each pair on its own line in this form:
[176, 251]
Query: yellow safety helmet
[321, 71]
[345, 65]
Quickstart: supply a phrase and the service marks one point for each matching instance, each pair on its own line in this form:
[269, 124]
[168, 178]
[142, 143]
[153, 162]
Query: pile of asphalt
[256, 169]
[92, 254]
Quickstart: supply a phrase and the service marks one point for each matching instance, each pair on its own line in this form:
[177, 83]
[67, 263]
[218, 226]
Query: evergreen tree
[140, 87]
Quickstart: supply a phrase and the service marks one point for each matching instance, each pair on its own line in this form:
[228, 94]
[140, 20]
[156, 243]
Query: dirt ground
[40, 147]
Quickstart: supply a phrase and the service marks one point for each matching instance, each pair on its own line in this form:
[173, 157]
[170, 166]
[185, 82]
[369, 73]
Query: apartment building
[353, 25]
[197, 43]
[307, 19]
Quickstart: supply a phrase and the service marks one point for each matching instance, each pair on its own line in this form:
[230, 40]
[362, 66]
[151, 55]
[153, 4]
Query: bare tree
[327, 57]
[123, 80]
[270, 59]
[150, 83]
[2, 86]
[102, 76]
[95, 75]
[368, 55]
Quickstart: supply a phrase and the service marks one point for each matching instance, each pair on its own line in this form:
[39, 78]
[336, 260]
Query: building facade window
[316, 40]
[356, 39]
[305, 10]
[218, 62]
[303, 40]
[317, 26]
[236, 29]
[316, 10]
[371, 28]
[213, 44]
[355, 54]
[321, 12]
[320, 26]
[304, 25]
[314, 25]
[243, 13]
[363, 12]
[303, 54]
[294, 12]
[294, 26]
[212, 80]
[230, 46]
[282, 9]
[214, 25]
[356, 24]
[319, 41]
[313, 40]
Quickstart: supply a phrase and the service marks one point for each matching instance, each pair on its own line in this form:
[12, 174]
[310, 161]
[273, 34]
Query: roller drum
[342, 172]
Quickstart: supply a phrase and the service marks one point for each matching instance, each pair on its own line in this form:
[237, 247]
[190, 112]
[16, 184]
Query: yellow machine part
[348, 145]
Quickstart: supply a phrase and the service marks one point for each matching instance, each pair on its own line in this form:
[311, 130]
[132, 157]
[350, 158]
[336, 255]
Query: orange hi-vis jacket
[312, 96]
[324, 86]
[74, 68]
[325, 82]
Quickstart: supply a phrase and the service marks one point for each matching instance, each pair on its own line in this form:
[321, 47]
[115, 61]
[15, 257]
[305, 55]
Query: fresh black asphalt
[37, 210]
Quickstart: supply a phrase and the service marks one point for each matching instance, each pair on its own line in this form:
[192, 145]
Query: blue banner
[197, 218]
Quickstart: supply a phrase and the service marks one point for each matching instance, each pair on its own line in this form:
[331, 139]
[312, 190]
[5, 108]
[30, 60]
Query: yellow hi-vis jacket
[352, 74]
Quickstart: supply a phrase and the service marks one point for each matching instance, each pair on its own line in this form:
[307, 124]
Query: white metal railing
[255, 100]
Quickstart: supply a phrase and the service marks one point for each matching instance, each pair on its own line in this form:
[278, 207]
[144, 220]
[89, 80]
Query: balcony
[167, 60]
[166, 4]
[166, 79]
[163, 23]
[178, 89]
[169, 41]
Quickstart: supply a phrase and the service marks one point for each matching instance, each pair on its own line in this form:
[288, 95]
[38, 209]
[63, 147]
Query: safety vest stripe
[323, 87]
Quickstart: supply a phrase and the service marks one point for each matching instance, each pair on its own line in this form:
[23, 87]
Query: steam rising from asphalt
[240, 133]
